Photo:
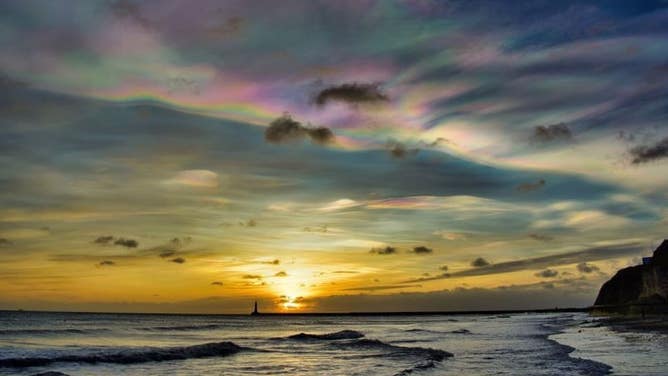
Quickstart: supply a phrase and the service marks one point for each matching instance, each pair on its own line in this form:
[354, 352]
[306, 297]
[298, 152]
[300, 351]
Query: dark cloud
[541, 237]
[271, 262]
[385, 287]
[422, 250]
[285, 129]
[399, 150]
[582, 256]
[128, 243]
[443, 268]
[647, 153]
[252, 276]
[320, 135]
[584, 267]
[480, 262]
[384, 250]
[544, 134]
[106, 263]
[353, 93]
[5, 242]
[529, 187]
[249, 223]
[109, 239]
[103, 240]
[547, 273]
[216, 283]
[178, 260]
[281, 274]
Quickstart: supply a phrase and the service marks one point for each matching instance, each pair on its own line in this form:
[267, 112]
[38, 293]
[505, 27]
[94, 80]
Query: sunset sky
[193, 156]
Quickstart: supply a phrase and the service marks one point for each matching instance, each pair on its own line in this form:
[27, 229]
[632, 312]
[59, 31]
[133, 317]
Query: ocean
[80, 344]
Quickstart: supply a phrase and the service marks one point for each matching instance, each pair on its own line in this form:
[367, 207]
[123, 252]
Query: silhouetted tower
[255, 311]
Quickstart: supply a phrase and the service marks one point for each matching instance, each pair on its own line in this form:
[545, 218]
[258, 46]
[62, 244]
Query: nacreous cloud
[286, 129]
[354, 93]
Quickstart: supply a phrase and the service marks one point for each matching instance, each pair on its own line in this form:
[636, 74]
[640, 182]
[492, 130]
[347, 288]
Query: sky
[328, 156]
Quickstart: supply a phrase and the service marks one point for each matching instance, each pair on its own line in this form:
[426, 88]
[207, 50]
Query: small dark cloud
[545, 134]
[344, 272]
[385, 287]
[271, 262]
[252, 276]
[4, 242]
[384, 250]
[216, 283]
[437, 142]
[109, 240]
[106, 263]
[281, 274]
[128, 243]
[422, 250]
[443, 268]
[399, 150]
[353, 93]
[647, 153]
[480, 262]
[541, 237]
[547, 273]
[587, 268]
[285, 129]
[320, 135]
[529, 187]
[248, 223]
[104, 239]
[178, 260]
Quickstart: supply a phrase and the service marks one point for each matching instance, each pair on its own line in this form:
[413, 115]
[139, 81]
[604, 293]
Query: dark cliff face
[641, 284]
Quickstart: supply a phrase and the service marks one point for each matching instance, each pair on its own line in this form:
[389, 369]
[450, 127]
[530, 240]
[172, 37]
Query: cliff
[640, 284]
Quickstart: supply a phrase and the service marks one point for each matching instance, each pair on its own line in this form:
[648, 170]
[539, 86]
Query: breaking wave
[425, 357]
[342, 334]
[132, 356]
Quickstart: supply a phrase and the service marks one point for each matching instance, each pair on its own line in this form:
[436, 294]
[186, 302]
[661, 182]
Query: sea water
[517, 344]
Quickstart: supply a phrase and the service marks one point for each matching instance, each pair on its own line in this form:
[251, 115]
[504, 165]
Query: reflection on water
[147, 345]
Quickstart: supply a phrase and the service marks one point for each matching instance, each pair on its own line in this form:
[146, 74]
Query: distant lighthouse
[255, 311]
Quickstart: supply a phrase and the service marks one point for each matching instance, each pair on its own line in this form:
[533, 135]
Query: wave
[132, 356]
[10, 332]
[456, 331]
[342, 334]
[426, 357]
[51, 373]
[182, 328]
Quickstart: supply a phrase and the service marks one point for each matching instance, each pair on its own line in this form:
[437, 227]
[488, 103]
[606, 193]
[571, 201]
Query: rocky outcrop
[645, 284]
